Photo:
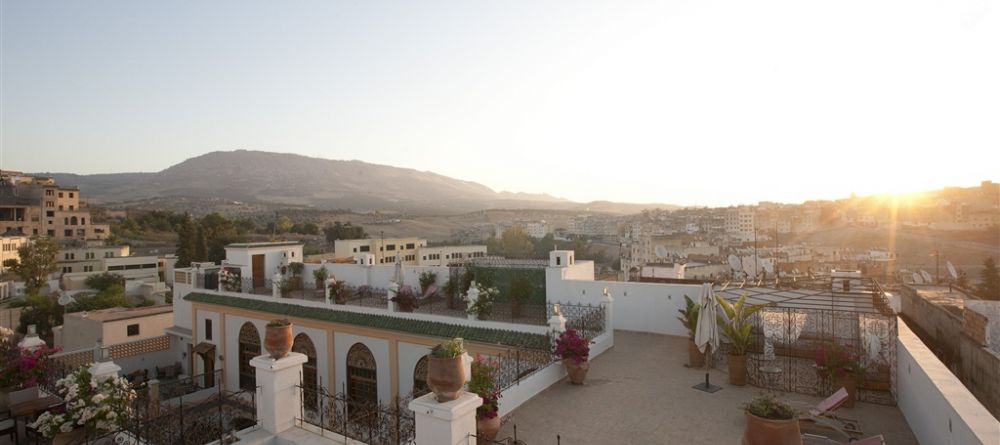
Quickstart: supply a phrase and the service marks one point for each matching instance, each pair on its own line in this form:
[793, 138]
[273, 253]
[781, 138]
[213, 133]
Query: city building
[385, 250]
[9, 243]
[81, 330]
[87, 257]
[741, 222]
[444, 255]
[37, 206]
[534, 229]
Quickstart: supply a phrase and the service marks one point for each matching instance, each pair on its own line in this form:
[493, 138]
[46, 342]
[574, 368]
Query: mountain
[282, 179]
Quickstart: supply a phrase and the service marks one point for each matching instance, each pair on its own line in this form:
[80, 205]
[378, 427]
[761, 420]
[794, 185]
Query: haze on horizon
[692, 103]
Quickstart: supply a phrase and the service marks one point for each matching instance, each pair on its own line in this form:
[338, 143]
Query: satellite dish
[917, 279]
[748, 268]
[65, 299]
[769, 268]
[951, 270]
[661, 252]
[927, 277]
[734, 263]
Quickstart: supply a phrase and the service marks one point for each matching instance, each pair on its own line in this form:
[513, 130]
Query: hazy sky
[689, 102]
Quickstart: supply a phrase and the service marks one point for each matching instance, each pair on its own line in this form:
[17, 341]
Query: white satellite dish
[917, 279]
[65, 299]
[926, 276]
[734, 263]
[769, 268]
[661, 252]
[748, 267]
[952, 271]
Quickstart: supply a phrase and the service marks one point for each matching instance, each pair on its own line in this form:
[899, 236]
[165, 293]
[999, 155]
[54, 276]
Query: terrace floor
[640, 392]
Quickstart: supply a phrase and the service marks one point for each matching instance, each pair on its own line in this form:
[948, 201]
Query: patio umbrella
[707, 333]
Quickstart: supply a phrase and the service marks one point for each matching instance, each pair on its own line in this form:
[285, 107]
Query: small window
[70, 194]
[132, 330]
[208, 329]
[50, 213]
[366, 248]
[60, 194]
[68, 269]
[390, 247]
[68, 232]
[409, 245]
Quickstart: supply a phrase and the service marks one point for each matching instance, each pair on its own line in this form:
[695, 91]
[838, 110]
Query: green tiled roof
[265, 244]
[377, 321]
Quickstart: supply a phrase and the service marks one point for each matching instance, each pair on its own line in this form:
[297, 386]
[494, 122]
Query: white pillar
[557, 323]
[449, 423]
[278, 399]
[276, 285]
[473, 297]
[609, 314]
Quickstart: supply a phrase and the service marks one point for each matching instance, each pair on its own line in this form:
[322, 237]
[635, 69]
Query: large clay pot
[738, 370]
[446, 377]
[761, 431]
[577, 371]
[696, 358]
[486, 430]
[849, 383]
[76, 436]
[278, 341]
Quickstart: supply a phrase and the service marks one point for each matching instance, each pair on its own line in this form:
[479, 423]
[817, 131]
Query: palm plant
[689, 315]
[736, 326]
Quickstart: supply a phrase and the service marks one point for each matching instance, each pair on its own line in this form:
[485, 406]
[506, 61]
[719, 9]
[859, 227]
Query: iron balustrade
[370, 422]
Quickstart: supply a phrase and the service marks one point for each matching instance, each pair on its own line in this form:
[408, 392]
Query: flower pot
[848, 382]
[278, 341]
[696, 358]
[23, 395]
[76, 436]
[577, 371]
[405, 308]
[487, 429]
[737, 370]
[761, 431]
[446, 377]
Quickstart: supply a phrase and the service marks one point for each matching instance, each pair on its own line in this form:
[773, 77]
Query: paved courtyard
[640, 392]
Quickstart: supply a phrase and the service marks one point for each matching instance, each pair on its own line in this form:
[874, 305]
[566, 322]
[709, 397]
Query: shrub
[483, 383]
[570, 345]
[104, 280]
[97, 406]
[427, 278]
[449, 349]
[769, 407]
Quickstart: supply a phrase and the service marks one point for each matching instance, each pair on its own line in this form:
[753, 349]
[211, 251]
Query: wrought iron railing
[183, 386]
[589, 320]
[366, 421]
[215, 419]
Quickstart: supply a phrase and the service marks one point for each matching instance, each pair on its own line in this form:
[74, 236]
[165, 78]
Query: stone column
[557, 323]
[276, 284]
[103, 368]
[473, 297]
[449, 423]
[278, 397]
[607, 301]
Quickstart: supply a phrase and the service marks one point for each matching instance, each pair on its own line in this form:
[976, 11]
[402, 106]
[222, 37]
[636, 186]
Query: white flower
[112, 415]
[66, 427]
[98, 398]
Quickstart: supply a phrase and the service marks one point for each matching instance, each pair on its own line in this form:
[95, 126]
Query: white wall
[201, 316]
[182, 308]
[380, 350]
[408, 356]
[938, 408]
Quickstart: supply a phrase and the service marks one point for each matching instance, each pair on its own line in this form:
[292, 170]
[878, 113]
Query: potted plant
[450, 289]
[770, 422]
[92, 407]
[296, 278]
[427, 279]
[341, 293]
[231, 281]
[738, 330]
[483, 306]
[405, 298]
[575, 353]
[520, 291]
[278, 338]
[689, 318]
[841, 365]
[446, 371]
[319, 277]
[483, 383]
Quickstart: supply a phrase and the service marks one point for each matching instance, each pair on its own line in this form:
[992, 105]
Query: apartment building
[443, 255]
[741, 222]
[81, 330]
[37, 206]
[385, 250]
[8, 248]
[87, 258]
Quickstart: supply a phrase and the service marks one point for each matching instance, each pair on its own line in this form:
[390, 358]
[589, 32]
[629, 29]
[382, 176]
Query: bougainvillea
[837, 361]
[572, 346]
[22, 368]
[483, 383]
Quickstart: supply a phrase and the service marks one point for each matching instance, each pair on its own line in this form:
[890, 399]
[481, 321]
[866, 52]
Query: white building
[443, 255]
[384, 249]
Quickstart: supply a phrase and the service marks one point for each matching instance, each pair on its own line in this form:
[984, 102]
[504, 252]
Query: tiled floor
[640, 392]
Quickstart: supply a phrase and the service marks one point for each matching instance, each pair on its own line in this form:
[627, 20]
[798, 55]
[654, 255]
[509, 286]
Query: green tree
[990, 286]
[43, 312]
[186, 242]
[514, 243]
[338, 231]
[112, 296]
[545, 245]
[37, 261]
[200, 246]
[283, 224]
[104, 280]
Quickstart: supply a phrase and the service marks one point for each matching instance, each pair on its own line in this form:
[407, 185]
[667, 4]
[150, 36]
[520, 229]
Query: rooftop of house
[263, 244]
[641, 392]
[122, 313]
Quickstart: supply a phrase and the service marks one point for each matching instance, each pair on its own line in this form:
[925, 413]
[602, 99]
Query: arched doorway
[420, 378]
[304, 345]
[249, 348]
[362, 384]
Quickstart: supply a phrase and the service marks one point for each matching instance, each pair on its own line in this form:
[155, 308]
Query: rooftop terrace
[640, 392]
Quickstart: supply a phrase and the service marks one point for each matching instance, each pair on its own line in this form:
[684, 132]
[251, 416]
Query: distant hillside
[294, 180]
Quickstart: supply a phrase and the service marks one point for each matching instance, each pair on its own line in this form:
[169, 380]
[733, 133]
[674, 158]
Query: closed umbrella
[707, 333]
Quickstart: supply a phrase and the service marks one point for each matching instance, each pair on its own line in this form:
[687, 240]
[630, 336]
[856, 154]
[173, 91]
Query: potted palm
[575, 353]
[445, 370]
[770, 422]
[842, 366]
[738, 330]
[689, 318]
[341, 293]
[427, 279]
[296, 279]
[319, 277]
[278, 338]
[483, 383]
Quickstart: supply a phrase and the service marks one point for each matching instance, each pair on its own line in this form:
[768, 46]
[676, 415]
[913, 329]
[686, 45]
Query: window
[67, 269]
[68, 256]
[51, 232]
[65, 221]
[49, 192]
[390, 247]
[89, 255]
[60, 208]
[208, 329]
[50, 204]
[70, 194]
[71, 207]
[249, 348]
[88, 268]
[72, 221]
[132, 330]
[50, 213]
[354, 250]
[362, 384]
[409, 245]
[109, 254]
[365, 248]
[83, 221]
[304, 345]
[60, 194]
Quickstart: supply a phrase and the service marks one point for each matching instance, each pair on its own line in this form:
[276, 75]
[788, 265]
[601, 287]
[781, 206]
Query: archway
[304, 345]
[249, 348]
[362, 383]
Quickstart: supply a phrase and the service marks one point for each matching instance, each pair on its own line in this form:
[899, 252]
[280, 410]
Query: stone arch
[420, 378]
[310, 383]
[362, 381]
[249, 347]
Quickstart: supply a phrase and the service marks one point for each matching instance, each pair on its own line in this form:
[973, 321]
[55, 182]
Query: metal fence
[589, 320]
[369, 422]
[170, 389]
[215, 419]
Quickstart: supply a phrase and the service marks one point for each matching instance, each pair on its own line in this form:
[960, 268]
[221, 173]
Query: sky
[709, 102]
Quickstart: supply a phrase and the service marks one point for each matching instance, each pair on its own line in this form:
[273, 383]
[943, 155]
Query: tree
[43, 312]
[200, 246]
[990, 286]
[185, 242]
[514, 243]
[338, 231]
[283, 224]
[37, 261]
[963, 280]
[112, 296]
[545, 245]
[104, 280]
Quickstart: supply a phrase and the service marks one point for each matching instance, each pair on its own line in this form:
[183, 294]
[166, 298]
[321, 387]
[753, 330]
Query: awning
[204, 348]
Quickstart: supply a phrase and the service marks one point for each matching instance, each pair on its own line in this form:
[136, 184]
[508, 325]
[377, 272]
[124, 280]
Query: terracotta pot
[278, 341]
[738, 370]
[577, 371]
[76, 436]
[761, 431]
[446, 377]
[486, 430]
[405, 308]
[850, 384]
[696, 358]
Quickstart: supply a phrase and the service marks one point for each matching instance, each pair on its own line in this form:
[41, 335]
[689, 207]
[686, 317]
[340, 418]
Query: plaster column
[557, 323]
[276, 285]
[278, 397]
[607, 301]
[103, 368]
[449, 423]
[31, 341]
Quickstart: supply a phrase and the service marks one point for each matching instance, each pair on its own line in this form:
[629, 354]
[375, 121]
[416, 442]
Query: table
[30, 409]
